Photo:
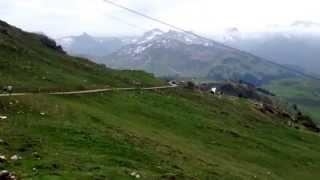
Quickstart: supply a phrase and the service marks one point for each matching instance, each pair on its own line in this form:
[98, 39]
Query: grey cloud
[66, 17]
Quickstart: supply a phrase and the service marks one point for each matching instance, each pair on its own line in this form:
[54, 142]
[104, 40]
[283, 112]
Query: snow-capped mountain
[177, 53]
[148, 36]
[157, 34]
[157, 38]
[189, 38]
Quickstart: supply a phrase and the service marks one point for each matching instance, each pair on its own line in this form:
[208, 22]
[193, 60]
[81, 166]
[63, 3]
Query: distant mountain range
[179, 54]
[92, 47]
[296, 45]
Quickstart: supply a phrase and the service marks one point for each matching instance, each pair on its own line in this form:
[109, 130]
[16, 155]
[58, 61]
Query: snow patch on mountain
[162, 38]
[187, 39]
[140, 49]
[159, 39]
[149, 36]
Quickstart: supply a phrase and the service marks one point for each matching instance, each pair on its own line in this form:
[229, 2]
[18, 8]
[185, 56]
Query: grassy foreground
[169, 134]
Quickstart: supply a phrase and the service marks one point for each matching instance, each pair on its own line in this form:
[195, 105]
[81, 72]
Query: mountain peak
[156, 30]
[159, 36]
[305, 24]
[189, 38]
[149, 36]
[84, 34]
[233, 30]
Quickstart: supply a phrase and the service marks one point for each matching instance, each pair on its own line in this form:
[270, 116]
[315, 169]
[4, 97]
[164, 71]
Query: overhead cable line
[204, 38]
[126, 23]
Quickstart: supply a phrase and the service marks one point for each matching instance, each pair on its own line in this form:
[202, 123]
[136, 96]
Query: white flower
[3, 117]
[3, 157]
[15, 157]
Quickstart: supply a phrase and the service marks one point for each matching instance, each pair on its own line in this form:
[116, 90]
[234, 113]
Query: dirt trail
[92, 91]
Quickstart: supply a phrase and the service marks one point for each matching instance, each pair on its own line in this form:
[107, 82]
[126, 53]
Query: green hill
[160, 134]
[32, 61]
[303, 92]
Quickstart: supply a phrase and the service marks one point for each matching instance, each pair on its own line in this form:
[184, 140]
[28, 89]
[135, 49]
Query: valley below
[303, 92]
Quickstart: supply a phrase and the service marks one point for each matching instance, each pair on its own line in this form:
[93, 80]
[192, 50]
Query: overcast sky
[59, 18]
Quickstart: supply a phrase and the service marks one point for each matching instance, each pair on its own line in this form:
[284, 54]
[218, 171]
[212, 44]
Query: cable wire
[204, 38]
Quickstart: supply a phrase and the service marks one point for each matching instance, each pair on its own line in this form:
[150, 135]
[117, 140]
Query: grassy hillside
[161, 135]
[303, 92]
[32, 61]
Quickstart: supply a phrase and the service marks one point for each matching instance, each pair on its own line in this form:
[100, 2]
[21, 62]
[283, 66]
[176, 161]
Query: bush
[51, 44]
[190, 85]
[307, 122]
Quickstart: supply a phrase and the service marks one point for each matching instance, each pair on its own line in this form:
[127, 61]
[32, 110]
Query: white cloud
[63, 17]
[207, 15]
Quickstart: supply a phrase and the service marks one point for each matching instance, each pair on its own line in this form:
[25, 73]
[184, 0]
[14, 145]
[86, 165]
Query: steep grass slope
[160, 135]
[167, 134]
[32, 62]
